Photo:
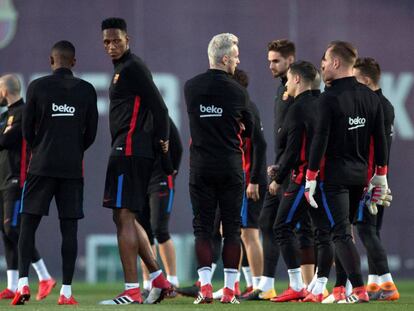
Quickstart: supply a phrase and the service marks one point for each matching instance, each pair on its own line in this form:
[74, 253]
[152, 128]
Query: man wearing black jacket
[256, 183]
[299, 126]
[380, 284]
[218, 110]
[349, 138]
[13, 166]
[159, 205]
[281, 53]
[59, 123]
[138, 121]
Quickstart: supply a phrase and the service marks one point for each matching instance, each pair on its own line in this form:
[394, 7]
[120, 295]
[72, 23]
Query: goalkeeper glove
[310, 187]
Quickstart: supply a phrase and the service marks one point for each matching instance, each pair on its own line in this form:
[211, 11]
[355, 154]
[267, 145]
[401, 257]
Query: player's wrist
[311, 175]
[381, 170]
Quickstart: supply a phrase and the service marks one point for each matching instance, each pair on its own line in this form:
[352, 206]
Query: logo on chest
[356, 123]
[116, 77]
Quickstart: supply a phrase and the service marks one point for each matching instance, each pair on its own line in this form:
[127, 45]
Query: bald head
[11, 84]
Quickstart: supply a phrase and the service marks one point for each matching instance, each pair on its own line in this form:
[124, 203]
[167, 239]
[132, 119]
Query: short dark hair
[369, 67]
[66, 51]
[241, 77]
[344, 50]
[304, 69]
[114, 22]
[285, 47]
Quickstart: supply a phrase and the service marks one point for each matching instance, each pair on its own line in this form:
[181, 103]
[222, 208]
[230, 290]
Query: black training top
[255, 151]
[59, 123]
[281, 106]
[216, 105]
[159, 178]
[389, 117]
[350, 132]
[13, 153]
[299, 128]
[138, 116]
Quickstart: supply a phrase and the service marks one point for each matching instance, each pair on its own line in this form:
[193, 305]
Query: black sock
[69, 231]
[271, 253]
[245, 261]
[10, 252]
[377, 257]
[29, 224]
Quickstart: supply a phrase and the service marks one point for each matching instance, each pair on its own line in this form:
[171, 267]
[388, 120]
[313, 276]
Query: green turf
[89, 295]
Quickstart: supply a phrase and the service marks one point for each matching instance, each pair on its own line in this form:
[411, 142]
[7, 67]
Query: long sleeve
[91, 121]
[380, 141]
[323, 128]
[258, 149]
[176, 146]
[295, 130]
[29, 116]
[14, 133]
[143, 85]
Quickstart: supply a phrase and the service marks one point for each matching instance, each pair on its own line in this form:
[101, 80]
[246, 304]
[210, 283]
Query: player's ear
[297, 79]
[336, 62]
[52, 60]
[74, 62]
[225, 59]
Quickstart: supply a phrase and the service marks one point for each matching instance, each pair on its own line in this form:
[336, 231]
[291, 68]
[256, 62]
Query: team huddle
[329, 175]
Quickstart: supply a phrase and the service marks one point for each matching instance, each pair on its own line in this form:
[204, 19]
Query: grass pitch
[88, 297]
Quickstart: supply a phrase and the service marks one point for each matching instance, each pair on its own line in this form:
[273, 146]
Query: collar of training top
[344, 81]
[63, 71]
[123, 58]
[218, 71]
[16, 104]
[379, 91]
[303, 95]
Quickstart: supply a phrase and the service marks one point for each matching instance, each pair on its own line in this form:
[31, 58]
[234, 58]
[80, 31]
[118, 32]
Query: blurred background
[172, 37]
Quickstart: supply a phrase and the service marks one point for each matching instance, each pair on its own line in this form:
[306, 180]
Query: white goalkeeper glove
[310, 187]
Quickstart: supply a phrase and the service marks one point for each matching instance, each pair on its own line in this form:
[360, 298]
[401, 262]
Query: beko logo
[62, 110]
[356, 123]
[210, 111]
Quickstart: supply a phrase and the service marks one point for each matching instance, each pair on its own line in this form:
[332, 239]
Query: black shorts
[155, 217]
[305, 230]
[38, 192]
[211, 190]
[10, 201]
[126, 183]
[251, 209]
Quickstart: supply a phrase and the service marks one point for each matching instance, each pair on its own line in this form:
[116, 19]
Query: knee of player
[162, 236]
[11, 232]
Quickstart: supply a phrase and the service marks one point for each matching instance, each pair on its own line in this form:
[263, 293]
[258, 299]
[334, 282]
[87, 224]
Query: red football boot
[313, 298]
[289, 295]
[7, 294]
[45, 287]
[67, 301]
[229, 296]
[21, 296]
[205, 295]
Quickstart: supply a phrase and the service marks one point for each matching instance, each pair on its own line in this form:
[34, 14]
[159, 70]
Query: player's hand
[378, 191]
[273, 187]
[252, 192]
[164, 145]
[377, 196]
[242, 127]
[310, 188]
[272, 171]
